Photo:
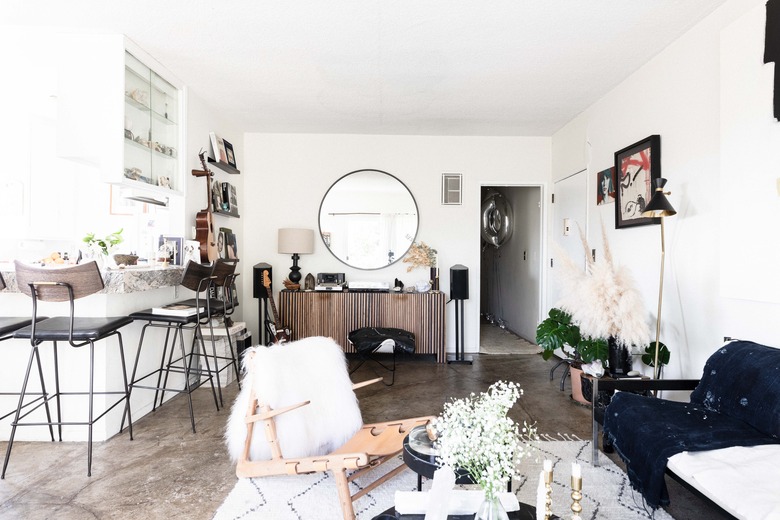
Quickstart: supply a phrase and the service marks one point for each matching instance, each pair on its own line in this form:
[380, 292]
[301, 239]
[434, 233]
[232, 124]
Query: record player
[330, 282]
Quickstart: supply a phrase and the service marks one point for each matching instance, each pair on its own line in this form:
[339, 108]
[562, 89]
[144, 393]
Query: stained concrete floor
[168, 472]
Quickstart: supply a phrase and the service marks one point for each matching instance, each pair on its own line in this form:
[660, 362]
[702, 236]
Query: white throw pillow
[312, 369]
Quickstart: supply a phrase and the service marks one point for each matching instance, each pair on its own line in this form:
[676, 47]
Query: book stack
[181, 310]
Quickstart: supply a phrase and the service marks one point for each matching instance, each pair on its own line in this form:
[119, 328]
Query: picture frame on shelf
[636, 168]
[218, 147]
[231, 157]
[222, 242]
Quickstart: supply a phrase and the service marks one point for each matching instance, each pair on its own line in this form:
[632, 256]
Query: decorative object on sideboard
[309, 282]
[637, 166]
[295, 242]
[659, 207]
[497, 219]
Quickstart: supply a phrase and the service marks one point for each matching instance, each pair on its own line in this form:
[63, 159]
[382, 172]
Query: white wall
[288, 174]
[678, 95]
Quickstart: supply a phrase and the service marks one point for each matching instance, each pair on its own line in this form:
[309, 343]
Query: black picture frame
[231, 156]
[636, 168]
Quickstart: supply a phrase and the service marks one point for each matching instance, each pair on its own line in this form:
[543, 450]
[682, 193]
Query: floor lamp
[659, 207]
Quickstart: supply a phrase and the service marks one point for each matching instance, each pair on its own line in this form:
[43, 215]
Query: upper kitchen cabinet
[122, 112]
[151, 127]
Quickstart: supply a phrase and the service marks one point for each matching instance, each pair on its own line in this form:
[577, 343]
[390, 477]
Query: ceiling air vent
[451, 188]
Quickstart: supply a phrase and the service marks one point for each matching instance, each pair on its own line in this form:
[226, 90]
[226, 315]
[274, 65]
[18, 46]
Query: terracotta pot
[576, 386]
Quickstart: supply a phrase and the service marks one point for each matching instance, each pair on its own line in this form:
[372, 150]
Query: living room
[706, 92]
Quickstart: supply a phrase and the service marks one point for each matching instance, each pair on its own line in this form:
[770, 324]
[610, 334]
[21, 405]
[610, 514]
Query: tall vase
[619, 359]
[434, 278]
[491, 509]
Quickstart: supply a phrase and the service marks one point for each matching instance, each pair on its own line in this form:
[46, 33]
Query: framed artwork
[231, 158]
[605, 186]
[636, 166]
[175, 248]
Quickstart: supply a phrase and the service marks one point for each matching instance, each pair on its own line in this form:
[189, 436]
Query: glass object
[491, 509]
[368, 219]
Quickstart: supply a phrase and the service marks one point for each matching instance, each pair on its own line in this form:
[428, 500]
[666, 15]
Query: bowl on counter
[125, 259]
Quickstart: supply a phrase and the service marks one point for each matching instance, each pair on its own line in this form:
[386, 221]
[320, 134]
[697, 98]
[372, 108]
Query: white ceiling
[442, 67]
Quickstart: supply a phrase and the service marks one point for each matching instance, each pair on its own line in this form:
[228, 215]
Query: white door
[569, 209]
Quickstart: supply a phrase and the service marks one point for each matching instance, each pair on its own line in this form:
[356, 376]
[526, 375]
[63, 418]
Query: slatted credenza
[336, 314]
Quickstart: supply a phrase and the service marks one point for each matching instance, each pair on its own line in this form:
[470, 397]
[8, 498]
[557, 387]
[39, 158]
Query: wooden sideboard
[336, 314]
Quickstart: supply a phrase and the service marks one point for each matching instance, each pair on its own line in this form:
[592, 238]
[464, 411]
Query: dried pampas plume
[602, 299]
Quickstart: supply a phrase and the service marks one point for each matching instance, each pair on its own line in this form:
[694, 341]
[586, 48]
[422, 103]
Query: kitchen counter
[118, 281]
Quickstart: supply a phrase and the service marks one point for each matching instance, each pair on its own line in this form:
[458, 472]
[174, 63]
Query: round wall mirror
[368, 219]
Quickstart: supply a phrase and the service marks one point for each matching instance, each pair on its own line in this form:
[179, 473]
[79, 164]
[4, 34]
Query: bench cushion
[742, 379]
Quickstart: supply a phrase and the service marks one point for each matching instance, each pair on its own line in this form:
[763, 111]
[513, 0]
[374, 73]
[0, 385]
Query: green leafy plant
[648, 358]
[558, 331]
[103, 245]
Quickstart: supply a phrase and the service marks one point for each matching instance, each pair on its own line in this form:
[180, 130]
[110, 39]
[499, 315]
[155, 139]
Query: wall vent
[451, 188]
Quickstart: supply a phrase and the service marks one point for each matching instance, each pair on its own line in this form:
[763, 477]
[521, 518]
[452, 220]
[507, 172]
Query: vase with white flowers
[475, 435]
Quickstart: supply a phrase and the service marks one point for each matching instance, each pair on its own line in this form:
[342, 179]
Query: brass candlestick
[576, 496]
[548, 478]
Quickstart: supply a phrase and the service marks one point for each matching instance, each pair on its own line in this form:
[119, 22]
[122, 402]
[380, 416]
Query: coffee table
[526, 512]
[420, 455]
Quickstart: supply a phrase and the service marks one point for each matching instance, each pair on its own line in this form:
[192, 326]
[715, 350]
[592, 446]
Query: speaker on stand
[459, 291]
[260, 293]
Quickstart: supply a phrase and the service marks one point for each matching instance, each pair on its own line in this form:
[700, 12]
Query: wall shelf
[225, 167]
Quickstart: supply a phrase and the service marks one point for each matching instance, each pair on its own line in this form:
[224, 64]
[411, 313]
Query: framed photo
[175, 247]
[605, 186]
[231, 158]
[636, 166]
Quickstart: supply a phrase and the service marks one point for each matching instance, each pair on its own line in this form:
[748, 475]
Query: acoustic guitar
[204, 220]
[281, 334]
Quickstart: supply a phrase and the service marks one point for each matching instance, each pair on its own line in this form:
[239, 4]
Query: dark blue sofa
[736, 403]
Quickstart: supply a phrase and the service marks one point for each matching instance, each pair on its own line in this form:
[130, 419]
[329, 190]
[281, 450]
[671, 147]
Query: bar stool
[221, 306]
[66, 285]
[198, 278]
[9, 325]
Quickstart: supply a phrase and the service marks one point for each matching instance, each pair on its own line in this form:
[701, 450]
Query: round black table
[420, 456]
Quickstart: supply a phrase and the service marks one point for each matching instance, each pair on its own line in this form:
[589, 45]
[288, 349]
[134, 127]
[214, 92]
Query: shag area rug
[495, 340]
[607, 495]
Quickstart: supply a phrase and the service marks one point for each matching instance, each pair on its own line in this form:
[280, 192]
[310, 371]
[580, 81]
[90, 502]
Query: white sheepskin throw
[312, 369]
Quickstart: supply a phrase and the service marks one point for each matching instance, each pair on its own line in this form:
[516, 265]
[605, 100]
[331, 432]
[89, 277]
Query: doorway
[511, 273]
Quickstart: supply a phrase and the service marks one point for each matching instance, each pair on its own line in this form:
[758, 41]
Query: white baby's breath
[476, 435]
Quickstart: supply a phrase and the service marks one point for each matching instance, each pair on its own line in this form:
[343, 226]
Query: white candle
[547, 465]
[576, 470]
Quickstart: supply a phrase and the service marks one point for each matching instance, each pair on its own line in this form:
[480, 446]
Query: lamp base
[295, 271]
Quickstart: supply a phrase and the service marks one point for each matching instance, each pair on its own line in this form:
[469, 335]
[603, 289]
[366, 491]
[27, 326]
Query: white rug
[607, 495]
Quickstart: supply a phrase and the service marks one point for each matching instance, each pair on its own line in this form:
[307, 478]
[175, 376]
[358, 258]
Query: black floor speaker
[258, 289]
[459, 282]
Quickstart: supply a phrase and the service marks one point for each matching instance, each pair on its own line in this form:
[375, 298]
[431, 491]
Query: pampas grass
[602, 299]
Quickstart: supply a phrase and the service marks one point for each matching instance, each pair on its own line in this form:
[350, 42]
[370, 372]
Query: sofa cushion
[742, 380]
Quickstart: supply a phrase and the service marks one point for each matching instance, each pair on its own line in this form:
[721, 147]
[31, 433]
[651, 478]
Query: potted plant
[98, 249]
[559, 331]
[605, 304]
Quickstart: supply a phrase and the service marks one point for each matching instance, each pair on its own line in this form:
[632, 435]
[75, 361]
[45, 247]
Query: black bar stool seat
[84, 329]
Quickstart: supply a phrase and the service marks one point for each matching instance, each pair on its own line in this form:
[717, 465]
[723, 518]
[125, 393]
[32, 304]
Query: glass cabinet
[151, 127]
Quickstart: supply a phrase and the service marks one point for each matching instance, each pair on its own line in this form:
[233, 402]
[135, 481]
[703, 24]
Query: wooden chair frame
[371, 446]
